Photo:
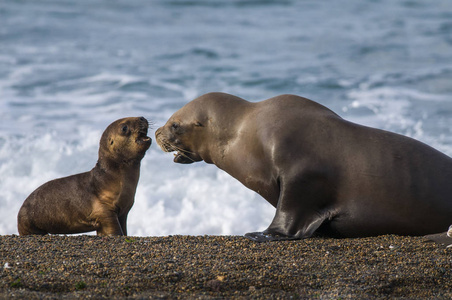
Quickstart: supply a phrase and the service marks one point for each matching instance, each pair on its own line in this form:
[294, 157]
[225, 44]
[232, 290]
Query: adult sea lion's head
[183, 133]
[125, 140]
[201, 128]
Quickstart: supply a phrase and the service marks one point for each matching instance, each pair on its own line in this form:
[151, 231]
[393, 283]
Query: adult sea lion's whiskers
[183, 152]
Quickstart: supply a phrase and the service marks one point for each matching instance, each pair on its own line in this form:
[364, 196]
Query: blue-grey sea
[70, 68]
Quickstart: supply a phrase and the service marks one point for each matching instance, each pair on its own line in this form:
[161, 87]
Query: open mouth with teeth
[142, 137]
[142, 134]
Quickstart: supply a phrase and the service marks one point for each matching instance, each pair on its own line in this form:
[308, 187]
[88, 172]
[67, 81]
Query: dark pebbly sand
[222, 267]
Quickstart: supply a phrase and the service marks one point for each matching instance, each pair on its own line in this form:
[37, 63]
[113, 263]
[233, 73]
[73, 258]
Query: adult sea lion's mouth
[180, 155]
[182, 158]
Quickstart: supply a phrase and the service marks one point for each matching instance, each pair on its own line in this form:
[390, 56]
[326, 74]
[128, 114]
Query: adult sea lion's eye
[175, 126]
[124, 129]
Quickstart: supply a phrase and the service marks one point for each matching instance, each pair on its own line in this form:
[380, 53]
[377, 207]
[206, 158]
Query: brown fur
[96, 200]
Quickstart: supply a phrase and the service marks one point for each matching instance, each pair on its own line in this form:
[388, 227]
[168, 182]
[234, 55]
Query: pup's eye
[124, 129]
[198, 124]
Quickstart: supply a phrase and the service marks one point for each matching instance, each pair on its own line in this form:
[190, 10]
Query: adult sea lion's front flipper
[444, 238]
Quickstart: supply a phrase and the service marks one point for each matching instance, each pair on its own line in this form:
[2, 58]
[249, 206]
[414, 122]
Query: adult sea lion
[96, 200]
[322, 173]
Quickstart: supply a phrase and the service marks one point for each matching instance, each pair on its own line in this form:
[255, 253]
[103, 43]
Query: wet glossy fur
[323, 174]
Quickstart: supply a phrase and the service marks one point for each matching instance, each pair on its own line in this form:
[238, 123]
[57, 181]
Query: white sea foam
[170, 199]
[189, 199]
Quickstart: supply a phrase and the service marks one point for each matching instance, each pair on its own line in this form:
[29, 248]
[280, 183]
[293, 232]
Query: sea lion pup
[323, 174]
[96, 200]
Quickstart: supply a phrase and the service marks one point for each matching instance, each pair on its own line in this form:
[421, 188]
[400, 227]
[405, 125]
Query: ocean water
[70, 68]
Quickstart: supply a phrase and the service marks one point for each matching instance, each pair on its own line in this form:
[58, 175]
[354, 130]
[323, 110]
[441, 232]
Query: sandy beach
[222, 267]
